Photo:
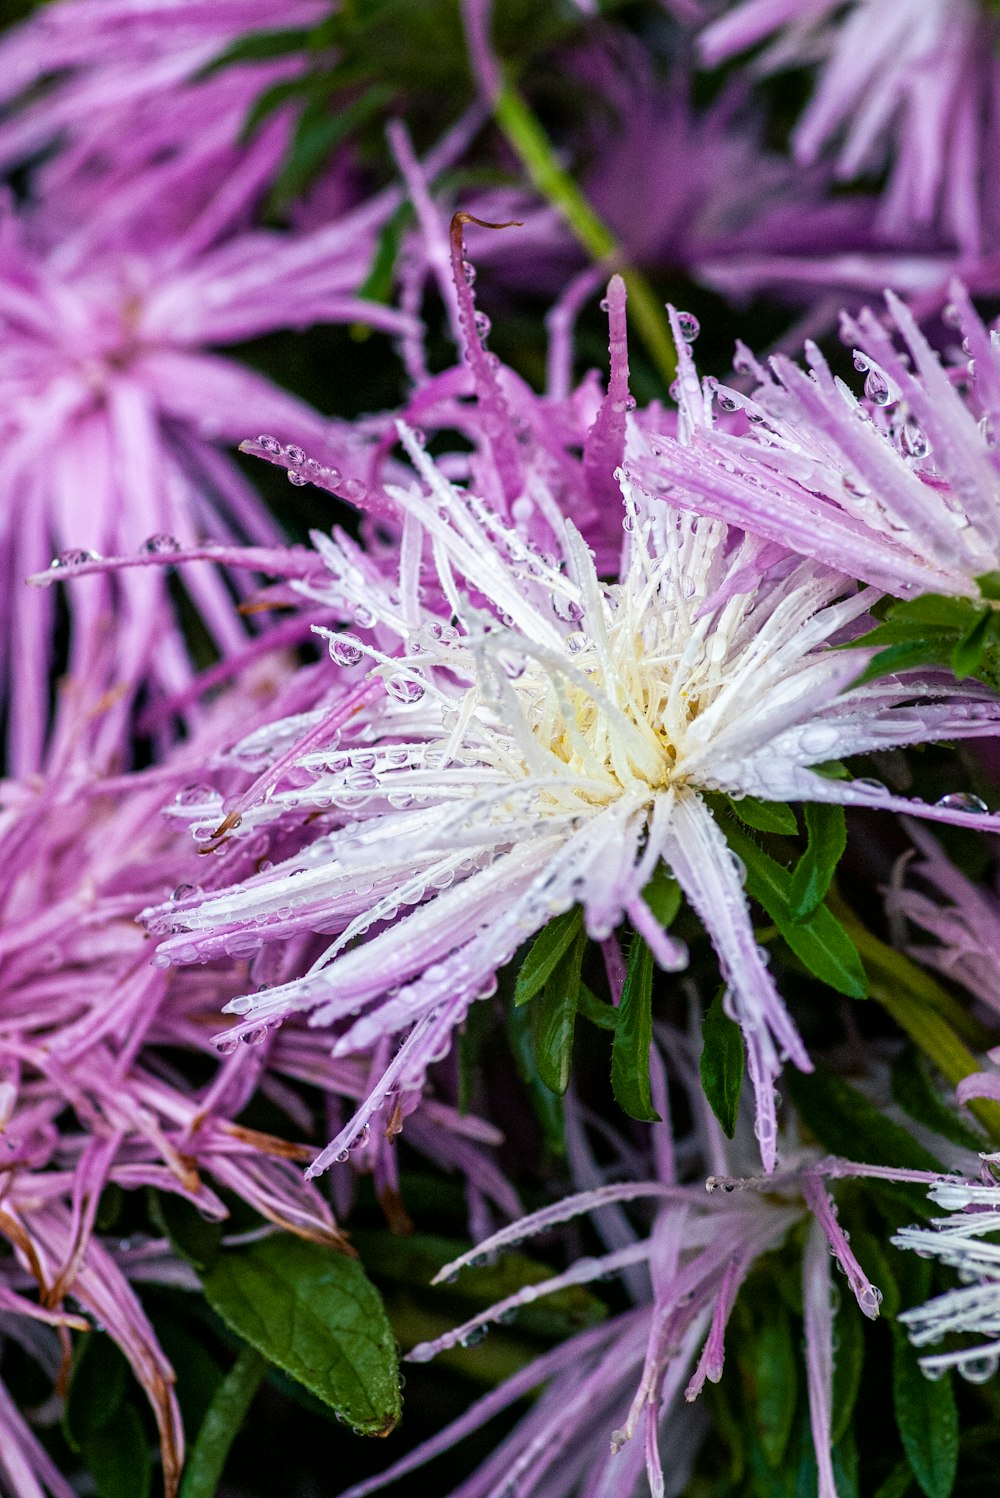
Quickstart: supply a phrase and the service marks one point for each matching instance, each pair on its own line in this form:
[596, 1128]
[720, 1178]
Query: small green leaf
[722, 1063]
[118, 1457]
[555, 1018]
[811, 878]
[317, 133]
[258, 46]
[967, 653]
[765, 816]
[907, 656]
[96, 1391]
[548, 1105]
[377, 285]
[849, 1341]
[775, 1376]
[595, 1009]
[549, 946]
[820, 942]
[663, 895]
[221, 1425]
[196, 1238]
[316, 1315]
[897, 1484]
[927, 1420]
[634, 1036]
[847, 1124]
[989, 585]
[914, 1091]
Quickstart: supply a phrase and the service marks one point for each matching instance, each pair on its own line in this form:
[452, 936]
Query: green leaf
[267, 103]
[315, 1314]
[196, 1238]
[595, 1009]
[847, 1124]
[377, 285]
[549, 946]
[827, 832]
[722, 1062]
[765, 816]
[663, 895]
[775, 1376]
[849, 1341]
[968, 651]
[317, 133]
[897, 1484]
[96, 1391]
[548, 1106]
[258, 46]
[118, 1457]
[907, 656]
[634, 1036]
[820, 942]
[222, 1423]
[914, 1091]
[555, 1018]
[989, 585]
[927, 1420]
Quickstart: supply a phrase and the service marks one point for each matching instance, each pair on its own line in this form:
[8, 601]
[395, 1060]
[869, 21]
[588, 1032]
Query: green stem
[933, 1019]
[525, 134]
[223, 1419]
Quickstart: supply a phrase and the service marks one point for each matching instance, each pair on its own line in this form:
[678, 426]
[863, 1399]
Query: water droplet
[604, 304]
[987, 431]
[254, 1037]
[227, 1045]
[689, 326]
[194, 795]
[345, 651]
[483, 324]
[950, 316]
[469, 272]
[269, 444]
[915, 439]
[405, 688]
[877, 388]
[75, 556]
[860, 362]
[875, 787]
[362, 780]
[296, 478]
[979, 1370]
[364, 617]
[160, 544]
[727, 402]
[295, 453]
[963, 801]
[473, 1335]
[185, 891]
[354, 490]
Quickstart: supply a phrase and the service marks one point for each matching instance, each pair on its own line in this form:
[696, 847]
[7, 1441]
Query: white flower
[548, 749]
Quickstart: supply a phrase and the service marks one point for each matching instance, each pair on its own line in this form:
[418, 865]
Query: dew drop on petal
[689, 325]
[160, 545]
[296, 478]
[345, 651]
[269, 444]
[877, 388]
[404, 688]
[963, 801]
[915, 440]
[295, 454]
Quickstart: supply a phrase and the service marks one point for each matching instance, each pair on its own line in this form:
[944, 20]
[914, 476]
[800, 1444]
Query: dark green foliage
[722, 1063]
[314, 1313]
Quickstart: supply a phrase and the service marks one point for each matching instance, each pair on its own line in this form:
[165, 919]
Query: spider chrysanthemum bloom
[514, 737]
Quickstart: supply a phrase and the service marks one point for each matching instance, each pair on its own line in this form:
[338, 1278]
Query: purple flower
[898, 485]
[909, 86]
[611, 1407]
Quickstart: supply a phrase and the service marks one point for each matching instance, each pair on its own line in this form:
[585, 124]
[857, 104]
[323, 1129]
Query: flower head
[514, 736]
[898, 486]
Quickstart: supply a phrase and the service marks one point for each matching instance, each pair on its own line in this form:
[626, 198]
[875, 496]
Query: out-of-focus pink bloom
[911, 87]
[91, 1092]
[711, 200]
[900, 488]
